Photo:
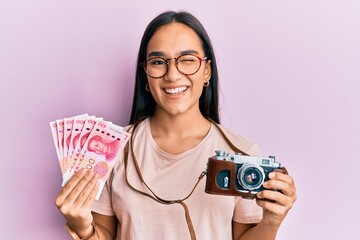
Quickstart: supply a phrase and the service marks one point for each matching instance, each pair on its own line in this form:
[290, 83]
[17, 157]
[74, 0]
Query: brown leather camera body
[214, 167]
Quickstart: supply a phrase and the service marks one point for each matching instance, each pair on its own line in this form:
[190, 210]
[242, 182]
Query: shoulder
[128, 128]
[242, 143]
[141, 124]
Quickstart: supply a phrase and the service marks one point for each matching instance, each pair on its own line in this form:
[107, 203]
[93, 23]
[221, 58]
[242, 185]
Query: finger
[91, 197]
[79, 188]
[281, 181]
[272, 207]
[69, 186]
[282, 186]
[73, 202]
[281, 176]
[282, 170]
[86, 191]
[274, 196]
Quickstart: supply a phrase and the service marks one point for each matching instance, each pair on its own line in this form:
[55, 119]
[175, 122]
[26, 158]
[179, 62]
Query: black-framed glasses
[187, 64]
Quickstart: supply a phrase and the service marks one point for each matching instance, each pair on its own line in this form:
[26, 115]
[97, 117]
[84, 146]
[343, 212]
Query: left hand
[276, 204]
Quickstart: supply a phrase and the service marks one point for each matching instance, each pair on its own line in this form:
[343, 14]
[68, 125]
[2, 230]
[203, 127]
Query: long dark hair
[143, 102]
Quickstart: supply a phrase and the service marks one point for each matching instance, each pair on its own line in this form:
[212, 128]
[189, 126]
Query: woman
[174, 131]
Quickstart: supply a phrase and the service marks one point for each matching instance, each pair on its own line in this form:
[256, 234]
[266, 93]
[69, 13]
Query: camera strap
[153, 196]
[227, 140]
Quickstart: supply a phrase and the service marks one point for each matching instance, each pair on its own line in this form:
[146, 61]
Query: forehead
[174, 38]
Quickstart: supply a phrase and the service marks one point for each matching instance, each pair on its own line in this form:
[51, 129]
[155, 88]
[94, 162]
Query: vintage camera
[237, 174]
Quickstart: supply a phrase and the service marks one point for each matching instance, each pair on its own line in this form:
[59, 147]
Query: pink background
[289, 73]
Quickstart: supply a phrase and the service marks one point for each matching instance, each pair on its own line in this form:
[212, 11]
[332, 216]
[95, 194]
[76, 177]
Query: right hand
[75, 199]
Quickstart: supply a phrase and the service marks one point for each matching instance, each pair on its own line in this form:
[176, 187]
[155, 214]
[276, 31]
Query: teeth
[175, 90]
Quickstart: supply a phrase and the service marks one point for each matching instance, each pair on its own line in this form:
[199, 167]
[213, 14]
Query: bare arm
[253, 231]
[274, 210]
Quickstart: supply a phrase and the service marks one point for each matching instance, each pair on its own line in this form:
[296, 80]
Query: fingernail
[271, 175]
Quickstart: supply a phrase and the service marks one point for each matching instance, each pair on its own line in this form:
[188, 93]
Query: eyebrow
[162, 54]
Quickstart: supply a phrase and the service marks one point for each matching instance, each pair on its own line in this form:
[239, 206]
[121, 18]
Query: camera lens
[251, 176]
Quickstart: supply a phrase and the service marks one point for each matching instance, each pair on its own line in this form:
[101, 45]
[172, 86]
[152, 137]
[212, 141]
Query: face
[98, 147]
[176, 93]
[249, 178]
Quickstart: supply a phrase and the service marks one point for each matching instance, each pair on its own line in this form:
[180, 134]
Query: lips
[175, 90]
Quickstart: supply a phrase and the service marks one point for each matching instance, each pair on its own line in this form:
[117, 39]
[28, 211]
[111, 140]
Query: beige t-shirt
[172, 177]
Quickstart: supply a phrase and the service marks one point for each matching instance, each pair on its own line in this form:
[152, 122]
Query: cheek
[154, 89]
[198, 83]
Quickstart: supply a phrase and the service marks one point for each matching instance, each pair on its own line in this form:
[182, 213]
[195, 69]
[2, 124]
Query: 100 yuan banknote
[101, 151]
[54, 132]
[68, 131]
[79, 142]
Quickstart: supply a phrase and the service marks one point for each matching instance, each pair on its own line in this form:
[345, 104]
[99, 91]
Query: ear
[207, 71]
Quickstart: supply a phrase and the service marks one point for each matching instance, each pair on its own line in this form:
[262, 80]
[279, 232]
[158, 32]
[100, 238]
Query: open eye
[156, 61]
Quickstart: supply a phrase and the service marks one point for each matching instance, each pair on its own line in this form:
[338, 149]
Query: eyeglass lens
[186, 64]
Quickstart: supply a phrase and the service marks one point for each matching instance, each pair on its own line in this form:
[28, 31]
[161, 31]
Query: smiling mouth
[175, 90]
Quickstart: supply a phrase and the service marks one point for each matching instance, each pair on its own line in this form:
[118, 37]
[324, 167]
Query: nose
[172, 73]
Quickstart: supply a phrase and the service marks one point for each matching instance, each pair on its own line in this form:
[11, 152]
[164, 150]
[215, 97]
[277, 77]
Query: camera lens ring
[251, 176]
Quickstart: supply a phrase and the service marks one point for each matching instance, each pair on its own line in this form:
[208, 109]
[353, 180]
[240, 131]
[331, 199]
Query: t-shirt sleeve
[247, 211]
[103, 205]
[254, 150]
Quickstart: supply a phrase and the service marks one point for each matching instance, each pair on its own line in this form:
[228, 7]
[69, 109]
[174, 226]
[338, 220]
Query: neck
[176, 133]
[180, 125]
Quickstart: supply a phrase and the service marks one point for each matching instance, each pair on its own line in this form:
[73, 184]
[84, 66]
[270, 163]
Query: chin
[180, 110]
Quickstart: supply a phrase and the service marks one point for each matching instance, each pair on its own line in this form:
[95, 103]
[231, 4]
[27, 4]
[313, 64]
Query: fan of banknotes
[88, 142]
